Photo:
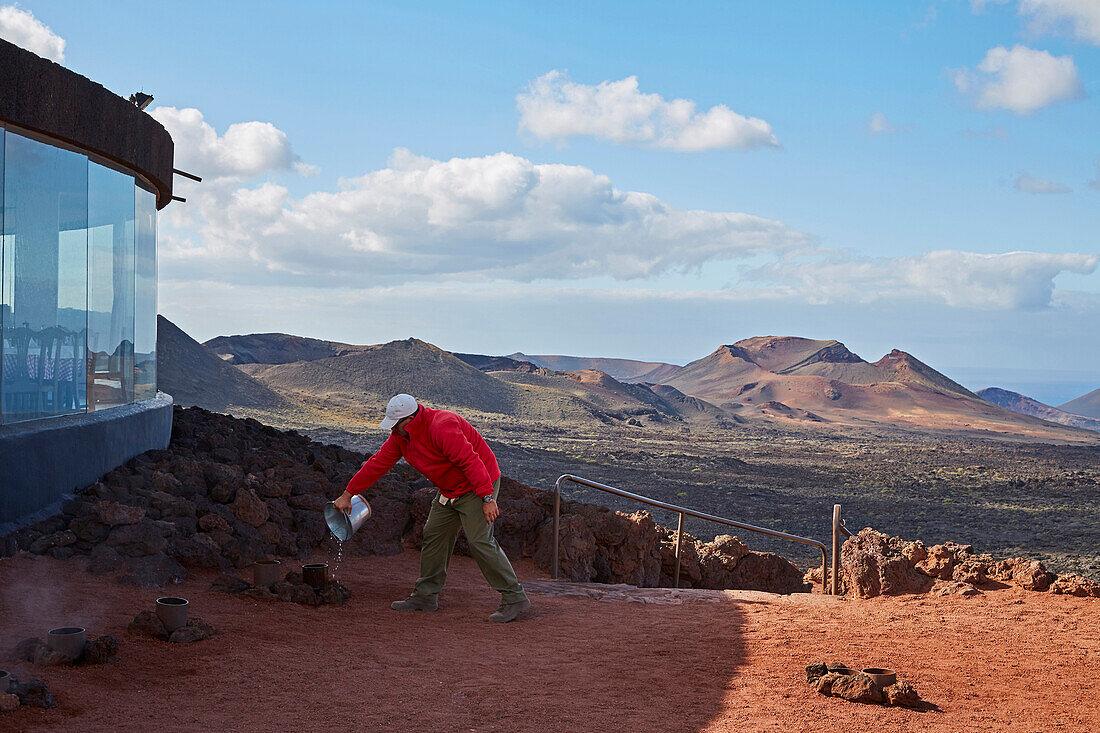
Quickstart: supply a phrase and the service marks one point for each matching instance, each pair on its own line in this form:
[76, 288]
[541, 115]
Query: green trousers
[440, 533]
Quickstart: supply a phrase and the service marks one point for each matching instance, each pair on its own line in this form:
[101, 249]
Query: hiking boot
[415, 603]
[509, 611]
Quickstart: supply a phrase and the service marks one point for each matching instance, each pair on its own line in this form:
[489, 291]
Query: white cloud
[498, 216]
[24, 30]
[1022, 80]
[1031, 184]
[1082, 17]
[880, 124]
[1013, 280]
[555, 108]
[246, 150]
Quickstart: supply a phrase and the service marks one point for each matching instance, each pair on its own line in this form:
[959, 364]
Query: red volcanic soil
[1009, 659]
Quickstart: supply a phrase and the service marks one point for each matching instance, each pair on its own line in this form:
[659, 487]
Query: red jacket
[442, 446]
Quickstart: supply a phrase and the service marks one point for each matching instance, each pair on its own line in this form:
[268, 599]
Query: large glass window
[45, 276]
[145, 297]
[110, 288]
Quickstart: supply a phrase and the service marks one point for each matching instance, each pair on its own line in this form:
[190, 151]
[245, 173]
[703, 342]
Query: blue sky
[868, 136]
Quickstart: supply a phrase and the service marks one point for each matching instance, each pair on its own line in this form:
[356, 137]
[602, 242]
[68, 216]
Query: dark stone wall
[47, 98]
[43, 460]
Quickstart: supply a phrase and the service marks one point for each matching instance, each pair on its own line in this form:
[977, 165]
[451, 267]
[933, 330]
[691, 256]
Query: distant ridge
[1027, 406]
[1086, 405]
[627, 370]
[194, 375]
[275, 348]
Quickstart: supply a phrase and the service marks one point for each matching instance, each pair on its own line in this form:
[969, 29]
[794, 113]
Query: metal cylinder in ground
[265, 573]
[315, 574]
[69, 640]
[172, 612]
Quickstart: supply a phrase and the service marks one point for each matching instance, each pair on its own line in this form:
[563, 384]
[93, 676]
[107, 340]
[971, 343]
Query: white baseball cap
[400, 406]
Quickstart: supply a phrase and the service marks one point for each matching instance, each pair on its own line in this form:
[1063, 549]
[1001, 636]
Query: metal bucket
[172, 612]
[343, 526]
[265, 573]
[69, 640]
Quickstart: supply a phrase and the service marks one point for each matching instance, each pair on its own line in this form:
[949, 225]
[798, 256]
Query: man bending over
[451, 454]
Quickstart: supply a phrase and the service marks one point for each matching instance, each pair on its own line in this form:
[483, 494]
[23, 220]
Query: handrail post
[679, 535]
[557, 516]
[836, 550]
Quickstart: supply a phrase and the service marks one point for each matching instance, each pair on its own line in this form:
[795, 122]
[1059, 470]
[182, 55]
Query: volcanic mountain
[735, 369]
[194, 375]
[370, 375]
[275, 348]
[1087, 405]
[1027, 406]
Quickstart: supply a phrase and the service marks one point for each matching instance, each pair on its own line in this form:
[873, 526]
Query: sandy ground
[1008, 660]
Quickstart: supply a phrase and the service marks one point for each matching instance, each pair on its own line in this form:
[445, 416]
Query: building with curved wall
[83, 173]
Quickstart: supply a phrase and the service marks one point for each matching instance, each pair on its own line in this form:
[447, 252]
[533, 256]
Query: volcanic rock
[148, 623]
[856, 688]
[214, 522]
[197, 551]
[814, 672]
[101, 651]
[955, 588]
[153, 571]
[825, 682]
[1031, 575]
[768, 572]
[105, 559]
[250, 508]
[902, 694]
[226, 583]
[111, 513]
[33, 693]
[137, 539]
[195, 630]
[874, 563]
[55, 539]
[1075, 585]
[90, 529]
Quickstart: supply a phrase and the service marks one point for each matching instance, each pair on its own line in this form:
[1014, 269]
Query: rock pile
[228, 492]
[147, 623]
[32, 693]
[95, 651]
[873, 564]
[837, 680]
[290, 589]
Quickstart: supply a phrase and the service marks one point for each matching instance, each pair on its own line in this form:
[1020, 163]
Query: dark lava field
[1006, 498]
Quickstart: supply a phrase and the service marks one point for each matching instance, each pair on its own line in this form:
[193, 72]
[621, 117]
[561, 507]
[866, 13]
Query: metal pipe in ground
[172, 612]
[315, 574]
[69, 640]
[265, 573]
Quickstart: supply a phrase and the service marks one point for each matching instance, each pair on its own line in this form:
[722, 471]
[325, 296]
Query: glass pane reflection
[45, 261]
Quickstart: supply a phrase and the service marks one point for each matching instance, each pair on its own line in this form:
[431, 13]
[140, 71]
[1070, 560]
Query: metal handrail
[679, 525]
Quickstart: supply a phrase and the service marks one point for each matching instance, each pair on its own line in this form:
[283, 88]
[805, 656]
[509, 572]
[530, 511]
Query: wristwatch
[488, 498]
